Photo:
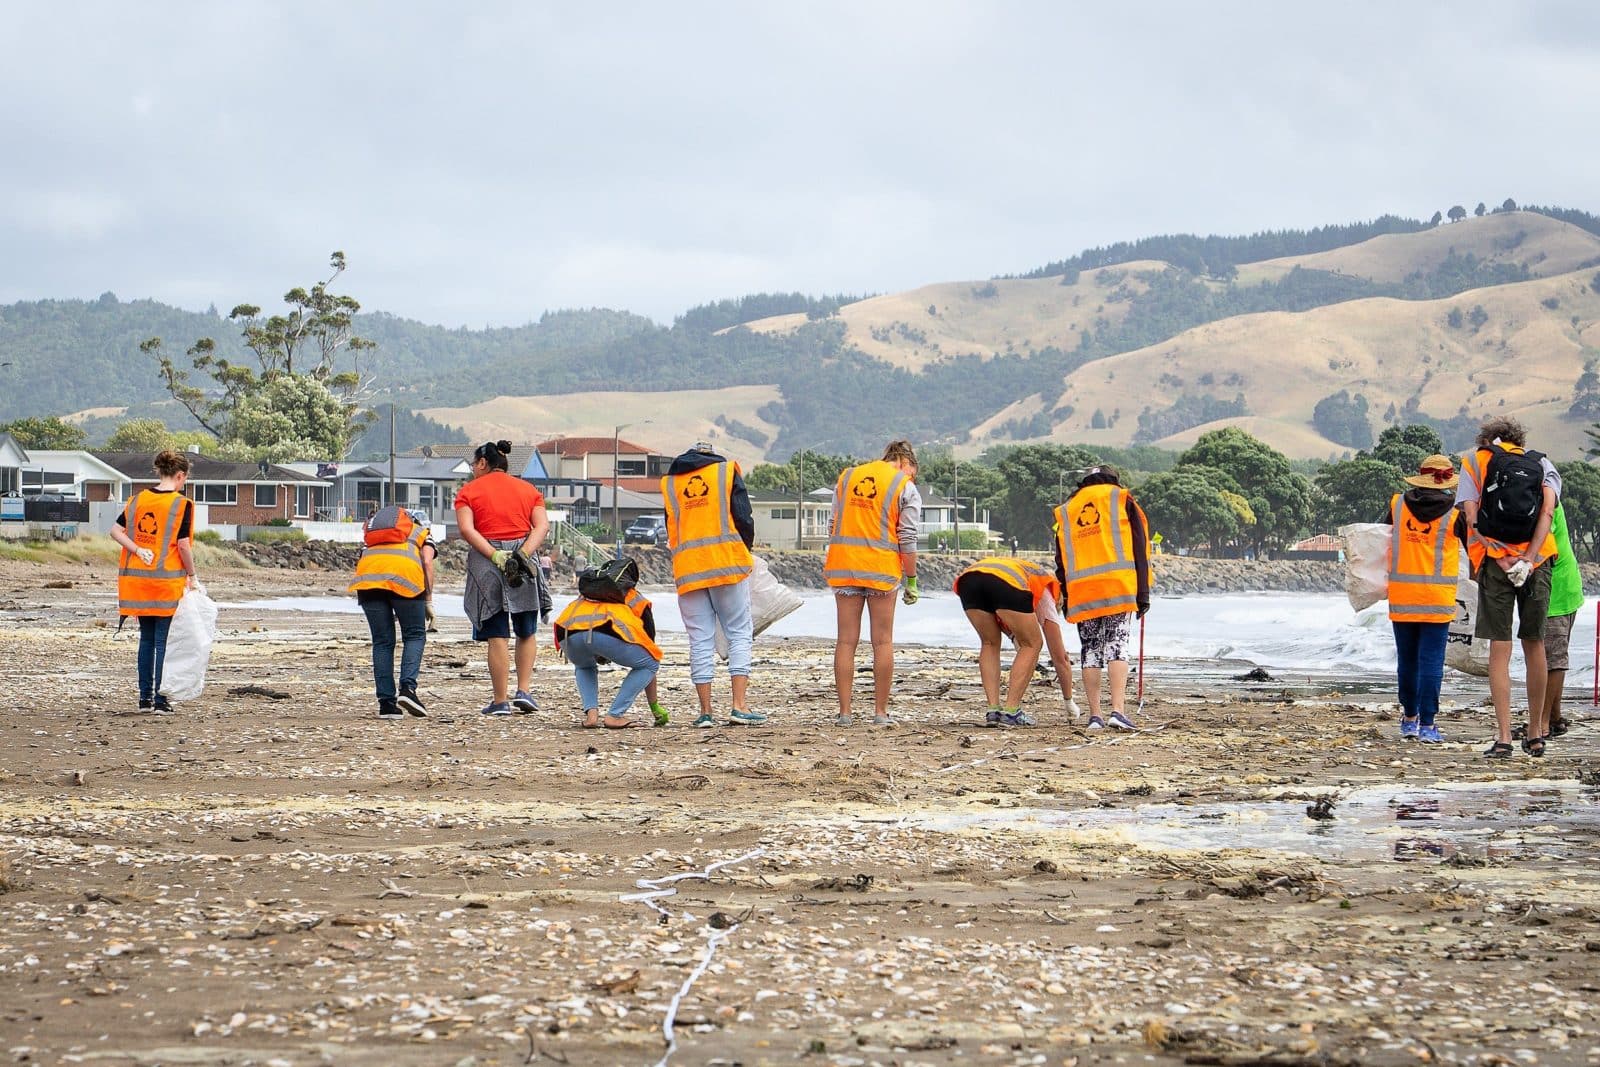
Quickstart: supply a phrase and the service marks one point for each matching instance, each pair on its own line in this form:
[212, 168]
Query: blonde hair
[170, 464]
[900, 450]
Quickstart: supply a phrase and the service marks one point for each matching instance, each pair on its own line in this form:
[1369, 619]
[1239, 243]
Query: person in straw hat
[1425, 556]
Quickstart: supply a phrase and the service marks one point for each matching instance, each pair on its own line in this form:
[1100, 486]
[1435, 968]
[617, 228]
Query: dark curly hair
[494, 454]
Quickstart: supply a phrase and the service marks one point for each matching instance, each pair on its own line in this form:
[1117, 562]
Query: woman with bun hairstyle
[155, 531]
[498, 514]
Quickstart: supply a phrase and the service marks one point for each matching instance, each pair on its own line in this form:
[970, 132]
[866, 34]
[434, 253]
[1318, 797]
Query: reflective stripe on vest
[154, 590]
[1102, 576]
[863, 539]
[1023, 574]
[581, 615]
[1423, 565]
[395, 567]
[706, 548]
[1475, 465]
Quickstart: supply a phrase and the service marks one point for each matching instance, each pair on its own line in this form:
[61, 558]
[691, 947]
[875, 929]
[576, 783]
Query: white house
[73, 473]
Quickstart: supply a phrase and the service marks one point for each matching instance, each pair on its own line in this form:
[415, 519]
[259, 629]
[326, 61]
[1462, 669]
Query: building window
[307, 498]
[216, 493]
[266, 496]
[631, 468]
[783, 513]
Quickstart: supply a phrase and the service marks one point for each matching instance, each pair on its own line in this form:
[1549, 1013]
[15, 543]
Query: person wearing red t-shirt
[496, 515]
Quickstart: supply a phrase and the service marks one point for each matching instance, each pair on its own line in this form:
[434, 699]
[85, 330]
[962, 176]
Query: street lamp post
[800, 504]
[956, 493]
[391, 453]
[616, 445]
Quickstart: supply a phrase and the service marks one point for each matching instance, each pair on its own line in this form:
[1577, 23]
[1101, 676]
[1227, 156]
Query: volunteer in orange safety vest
[592, 632]
[1008, 596]
[394, 585]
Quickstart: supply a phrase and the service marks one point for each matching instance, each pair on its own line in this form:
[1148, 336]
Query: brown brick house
[246, 494]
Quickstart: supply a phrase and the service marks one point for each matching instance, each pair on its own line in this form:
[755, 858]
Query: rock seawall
[1174, 575]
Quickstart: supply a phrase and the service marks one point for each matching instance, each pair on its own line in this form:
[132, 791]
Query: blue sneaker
[1409, 727]
[498, 708]
[522, 702]
[1429, 735]
[738, 717]
[1119, 721]
[992, 717]
[705, 722]
[1017, 718]
[1095, 723]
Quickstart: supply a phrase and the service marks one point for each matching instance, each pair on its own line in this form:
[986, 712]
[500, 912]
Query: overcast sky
[482, 163]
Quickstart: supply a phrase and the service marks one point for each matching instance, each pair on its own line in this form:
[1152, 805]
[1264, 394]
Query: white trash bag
[1463, 651]
[194, 628]
[770, 600]
[1366, 562]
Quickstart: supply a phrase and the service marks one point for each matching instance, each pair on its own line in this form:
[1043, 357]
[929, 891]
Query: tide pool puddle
[1489, 822]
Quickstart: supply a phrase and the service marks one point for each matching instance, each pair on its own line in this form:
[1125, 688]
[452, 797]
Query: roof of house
[1318, 543]
[139, 467]
[10, 445]
[626, 498]
[46, 457]
[769, 497]
[412, 468]
[516, 462]
[582, 446]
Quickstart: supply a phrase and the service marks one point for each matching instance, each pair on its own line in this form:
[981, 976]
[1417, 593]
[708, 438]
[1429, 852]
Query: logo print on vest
[1088, 515]
[696, 487]
[866, 488]
[1425, 528]
[147, 524]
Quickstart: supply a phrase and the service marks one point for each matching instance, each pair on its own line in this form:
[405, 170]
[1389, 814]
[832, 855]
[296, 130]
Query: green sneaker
[660, 714]
[705, 722]
[739, 717]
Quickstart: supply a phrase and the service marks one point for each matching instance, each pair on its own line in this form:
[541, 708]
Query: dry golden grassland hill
[1548, 247]
[676, 419]
[1523, 360]
[980, 318]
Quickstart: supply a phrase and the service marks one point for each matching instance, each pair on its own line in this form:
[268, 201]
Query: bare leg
[1554, 684]
[1118, 669]
[1538, 675]
[702, 691]
[1028, 640]
[499, 668]
[527, 653]
[1500, 688]
[988, 653]
[1091, 690]
[847, 612]
[740, 683]
[1059, 659]
[880, 613]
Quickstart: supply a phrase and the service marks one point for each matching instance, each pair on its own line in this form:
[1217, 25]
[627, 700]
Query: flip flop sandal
[1499, 750]
[612, 722]
[1533, 746]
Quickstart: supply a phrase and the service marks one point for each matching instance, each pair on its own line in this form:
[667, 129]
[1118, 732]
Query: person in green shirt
[1566, 597]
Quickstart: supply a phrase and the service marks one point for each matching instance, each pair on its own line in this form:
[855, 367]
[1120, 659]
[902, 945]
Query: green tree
[1186, 509]
[1280, 498]
[1580, 499]
[1481, 210]
[1356, 490]
[1438, 217]
[821, 472]
[1509, 205]
[308, 360]
[47, 431]
[1342, 419]
[1037, 479]
[1457, 213]
[1405, 447]
[977, 484]
[153, 435]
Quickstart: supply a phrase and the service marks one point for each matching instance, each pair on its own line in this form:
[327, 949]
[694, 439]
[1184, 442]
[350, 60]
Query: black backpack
[609, 583]
[1513, 495]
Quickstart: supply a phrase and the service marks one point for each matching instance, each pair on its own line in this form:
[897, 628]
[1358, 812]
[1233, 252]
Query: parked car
[647, 530]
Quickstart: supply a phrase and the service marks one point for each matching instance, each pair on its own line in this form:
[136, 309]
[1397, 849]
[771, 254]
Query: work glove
[913, 592]
[1518, 572]
[1144, 606]
[499, 557]
[146, 556]
[433, 625]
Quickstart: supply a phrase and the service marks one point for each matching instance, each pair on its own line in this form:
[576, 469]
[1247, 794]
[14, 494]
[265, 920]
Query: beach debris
[1321, 809]
[254, 690]
[1047, 867]
[1254, 674]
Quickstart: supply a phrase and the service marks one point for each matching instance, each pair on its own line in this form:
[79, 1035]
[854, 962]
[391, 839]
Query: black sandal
[1499, 750]
[1533, 746]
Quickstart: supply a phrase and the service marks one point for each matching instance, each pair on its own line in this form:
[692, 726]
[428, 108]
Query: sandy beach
[274, 876]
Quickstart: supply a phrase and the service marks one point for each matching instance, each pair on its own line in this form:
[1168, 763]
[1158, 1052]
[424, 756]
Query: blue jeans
[701, 609]
[585, 648]
[382, 613]
[1419, 647]
[152, 653]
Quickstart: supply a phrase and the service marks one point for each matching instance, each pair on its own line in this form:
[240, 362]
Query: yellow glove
[912, 592]
[499, 558]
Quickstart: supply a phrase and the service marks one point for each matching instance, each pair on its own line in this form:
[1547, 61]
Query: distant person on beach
[394, 585]
[155, 531]
[591, 632]
[1424, 563]
[1010, 597]
[1509, 496]
[1566, 597]
[710, 528]
[872, 545]
[497, 514]
[1103, 565]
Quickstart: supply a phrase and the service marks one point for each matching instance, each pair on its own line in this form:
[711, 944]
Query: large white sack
[770, 600]
[194, 628]
[1366, 562]
[1463, 651]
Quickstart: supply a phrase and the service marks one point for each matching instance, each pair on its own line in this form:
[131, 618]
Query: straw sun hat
[1435, 472]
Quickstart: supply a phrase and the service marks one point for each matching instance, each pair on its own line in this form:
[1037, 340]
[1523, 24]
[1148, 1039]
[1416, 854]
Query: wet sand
[293, 881]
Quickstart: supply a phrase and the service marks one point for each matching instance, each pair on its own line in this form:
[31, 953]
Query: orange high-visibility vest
[1096, 544]
[153, 520]
[1424, 561]
[395, 567]
[1023, 574]
[637, 602]
[584, 614]
[707, 550]
[1474, 465]
[863, 538]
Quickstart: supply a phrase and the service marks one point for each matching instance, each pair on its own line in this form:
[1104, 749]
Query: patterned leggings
[1104, 639]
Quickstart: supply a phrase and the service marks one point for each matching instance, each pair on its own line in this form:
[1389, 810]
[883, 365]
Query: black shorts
[985, 592]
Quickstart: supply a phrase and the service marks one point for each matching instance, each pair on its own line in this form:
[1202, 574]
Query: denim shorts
[501, 624]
